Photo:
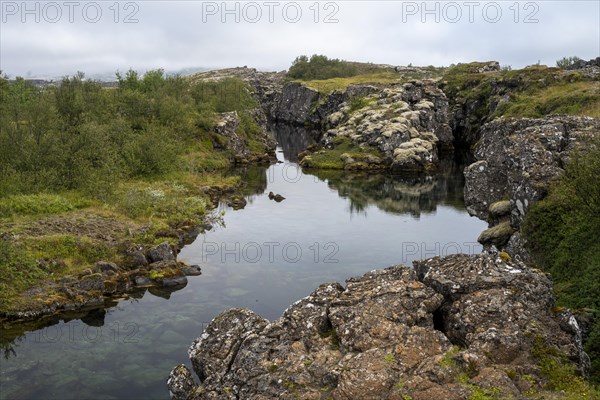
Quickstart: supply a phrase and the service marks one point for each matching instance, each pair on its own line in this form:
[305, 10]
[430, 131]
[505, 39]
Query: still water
[331, 225]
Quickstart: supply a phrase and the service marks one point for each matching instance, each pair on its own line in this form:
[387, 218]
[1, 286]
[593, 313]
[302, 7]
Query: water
[331, 226]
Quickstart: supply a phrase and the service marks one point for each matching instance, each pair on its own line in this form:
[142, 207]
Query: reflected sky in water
[331, 225]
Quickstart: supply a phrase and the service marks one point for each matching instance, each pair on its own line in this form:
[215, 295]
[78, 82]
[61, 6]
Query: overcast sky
[106, 36]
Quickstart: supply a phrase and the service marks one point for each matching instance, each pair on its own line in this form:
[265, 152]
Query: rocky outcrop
[408, 123]
[517, 162]
[267, 86]
[296, 104]
[447, 329]
[227, 128]
[589, 69]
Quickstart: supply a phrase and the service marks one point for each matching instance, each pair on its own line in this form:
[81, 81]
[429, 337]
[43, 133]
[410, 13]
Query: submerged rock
[441, 330]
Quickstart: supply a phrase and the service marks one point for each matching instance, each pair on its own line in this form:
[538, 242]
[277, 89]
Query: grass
[331, 159]
[55, 236]
[327, 86]
[41, 204]
[573, 98]
[534, 91]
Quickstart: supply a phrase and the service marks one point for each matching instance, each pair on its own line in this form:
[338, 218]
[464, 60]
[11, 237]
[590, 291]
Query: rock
[91, 282]
[107, 268]
[499, 209]
[135, 258]
[295, 104]
[192, 270]
[174, 281]
[518, 159]
[390, 334]
[142, 281]
[277, 197]
[497, 235]
[180, 383]
[237, 203]
[162, 252]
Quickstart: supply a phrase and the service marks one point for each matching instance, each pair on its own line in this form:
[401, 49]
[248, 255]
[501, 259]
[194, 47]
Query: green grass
[41, 204]
[534, 91]
[327, 86]
[559, 373]
[573, 98]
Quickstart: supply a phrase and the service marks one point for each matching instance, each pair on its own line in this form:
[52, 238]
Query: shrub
[320, 67]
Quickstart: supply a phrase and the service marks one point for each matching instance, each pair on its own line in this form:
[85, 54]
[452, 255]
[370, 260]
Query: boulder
[162, 252]
[444, 329]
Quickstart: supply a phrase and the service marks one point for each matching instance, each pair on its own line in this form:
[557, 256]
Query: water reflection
[396, 194]
[360, 221]
[294, 139]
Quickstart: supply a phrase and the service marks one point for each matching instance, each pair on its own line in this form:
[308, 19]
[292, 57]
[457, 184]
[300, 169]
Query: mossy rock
[497, 235]
[499, 209]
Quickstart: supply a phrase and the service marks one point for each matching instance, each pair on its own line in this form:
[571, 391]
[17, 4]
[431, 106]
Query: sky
[55, 38]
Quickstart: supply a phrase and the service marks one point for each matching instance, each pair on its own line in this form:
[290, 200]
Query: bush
[567, 62]
[79, 135]
[320, 67]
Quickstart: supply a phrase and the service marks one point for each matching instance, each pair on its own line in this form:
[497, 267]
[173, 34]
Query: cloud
[175, 35]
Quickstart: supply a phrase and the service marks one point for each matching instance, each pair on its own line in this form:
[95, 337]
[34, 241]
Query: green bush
[321, 67]
[79, 135]
[566, 62]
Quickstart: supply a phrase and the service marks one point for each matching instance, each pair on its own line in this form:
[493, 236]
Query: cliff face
[389, 334]
[517, 160]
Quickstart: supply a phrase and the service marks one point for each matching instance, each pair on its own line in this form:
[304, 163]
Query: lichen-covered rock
[391, 334]
[162, 252]
[407, 123]
[180, 383]
[517, 159]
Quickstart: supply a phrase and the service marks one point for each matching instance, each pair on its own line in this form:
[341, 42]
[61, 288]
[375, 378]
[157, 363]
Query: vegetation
[567, 62]
[87, 170]
[530, 92]
[80, 136]
[327, 86]
[321, 67]
[562, 232]
[334, 158]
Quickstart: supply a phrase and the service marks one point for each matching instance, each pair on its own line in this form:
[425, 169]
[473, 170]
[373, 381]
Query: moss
[41, 204]
[332, 335]
[498, 234]
[448, 358]
[156, 275]
[499, 208]
[479, 393]
[356, 103]
[559, 373]
[334, 158]
[504, 256]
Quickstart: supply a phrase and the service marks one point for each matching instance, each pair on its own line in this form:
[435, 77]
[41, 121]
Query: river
[331, 225]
